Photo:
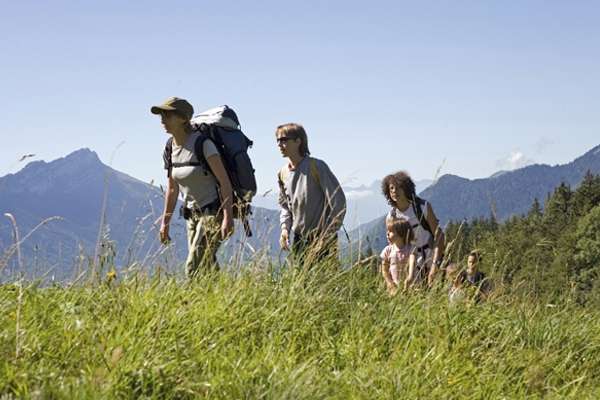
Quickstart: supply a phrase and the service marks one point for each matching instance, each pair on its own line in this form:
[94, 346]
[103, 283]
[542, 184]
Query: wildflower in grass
[111, 275]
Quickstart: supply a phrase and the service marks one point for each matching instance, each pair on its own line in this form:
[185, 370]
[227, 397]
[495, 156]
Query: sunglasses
[285, 139]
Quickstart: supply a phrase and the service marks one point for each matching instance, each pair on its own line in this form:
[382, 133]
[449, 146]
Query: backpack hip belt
[209, 209]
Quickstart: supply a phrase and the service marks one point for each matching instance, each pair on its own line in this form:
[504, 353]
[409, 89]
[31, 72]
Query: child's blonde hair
[402, 228]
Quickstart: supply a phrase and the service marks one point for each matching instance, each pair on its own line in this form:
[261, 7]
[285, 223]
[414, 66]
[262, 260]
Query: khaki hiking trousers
[204, 239]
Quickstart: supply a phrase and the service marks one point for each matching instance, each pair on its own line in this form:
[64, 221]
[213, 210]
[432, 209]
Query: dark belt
[210, 209]
[423, 248]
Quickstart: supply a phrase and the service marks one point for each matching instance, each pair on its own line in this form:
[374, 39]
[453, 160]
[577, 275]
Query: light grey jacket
[311, 198]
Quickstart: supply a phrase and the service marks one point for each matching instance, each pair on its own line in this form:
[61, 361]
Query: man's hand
[226, 227]
[284, 239]
[164, 234]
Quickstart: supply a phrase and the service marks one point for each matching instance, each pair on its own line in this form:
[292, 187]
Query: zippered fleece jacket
[311, 199]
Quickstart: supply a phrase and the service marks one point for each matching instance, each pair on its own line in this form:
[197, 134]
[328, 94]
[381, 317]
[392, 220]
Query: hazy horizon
[467, 89]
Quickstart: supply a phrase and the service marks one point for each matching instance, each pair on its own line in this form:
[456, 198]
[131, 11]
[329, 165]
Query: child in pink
[398, 258]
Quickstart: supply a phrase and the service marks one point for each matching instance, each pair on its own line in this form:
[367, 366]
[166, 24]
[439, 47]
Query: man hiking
[313, 204]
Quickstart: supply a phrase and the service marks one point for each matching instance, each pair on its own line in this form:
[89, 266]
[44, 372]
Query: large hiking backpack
[222, 126]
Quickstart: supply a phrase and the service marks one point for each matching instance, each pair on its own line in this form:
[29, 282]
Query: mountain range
[507, 193]
[502, 195]
[83, 191]
[87, 194]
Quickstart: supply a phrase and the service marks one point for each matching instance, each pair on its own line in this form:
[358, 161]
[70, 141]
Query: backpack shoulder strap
[168, 162]
[282, 175]
[199, 149]
[314, 171]
[417, 206]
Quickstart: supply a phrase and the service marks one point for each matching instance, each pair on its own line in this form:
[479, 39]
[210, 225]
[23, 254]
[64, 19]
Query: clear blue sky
[380, 86]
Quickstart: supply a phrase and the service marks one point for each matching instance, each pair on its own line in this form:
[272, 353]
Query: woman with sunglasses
[313, 204]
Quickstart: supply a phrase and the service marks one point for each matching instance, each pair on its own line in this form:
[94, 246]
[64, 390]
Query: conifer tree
[558, 213]
[587, 196]
[587, 252]
[535, 211]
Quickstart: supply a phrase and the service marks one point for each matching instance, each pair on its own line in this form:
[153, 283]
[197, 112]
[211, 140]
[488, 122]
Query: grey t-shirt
[197, 184]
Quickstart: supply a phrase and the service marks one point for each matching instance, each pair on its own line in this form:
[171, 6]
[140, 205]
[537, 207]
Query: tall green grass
[320, 334]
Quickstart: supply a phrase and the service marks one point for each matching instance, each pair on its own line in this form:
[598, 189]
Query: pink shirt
[398, 260]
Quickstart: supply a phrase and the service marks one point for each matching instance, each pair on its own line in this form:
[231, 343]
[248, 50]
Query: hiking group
[207, 161]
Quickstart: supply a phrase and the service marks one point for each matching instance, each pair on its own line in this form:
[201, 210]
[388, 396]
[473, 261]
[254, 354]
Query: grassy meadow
[296, 335]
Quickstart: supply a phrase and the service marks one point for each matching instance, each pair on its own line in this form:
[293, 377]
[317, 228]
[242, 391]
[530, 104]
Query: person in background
[475, 278]
[313, 204]
[399, 191]
[398, 257]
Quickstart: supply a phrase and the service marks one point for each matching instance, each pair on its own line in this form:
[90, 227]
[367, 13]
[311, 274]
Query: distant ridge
[73, 188]
[503, 194]
[507, 193]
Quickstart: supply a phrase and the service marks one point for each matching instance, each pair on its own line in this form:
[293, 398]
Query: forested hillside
[544, 251]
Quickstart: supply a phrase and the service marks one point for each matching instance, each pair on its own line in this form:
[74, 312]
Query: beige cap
[180, 106]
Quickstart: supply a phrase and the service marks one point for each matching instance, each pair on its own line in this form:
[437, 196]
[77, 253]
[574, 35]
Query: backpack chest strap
[187, 164]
